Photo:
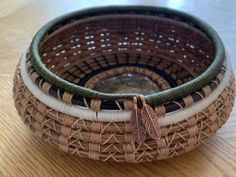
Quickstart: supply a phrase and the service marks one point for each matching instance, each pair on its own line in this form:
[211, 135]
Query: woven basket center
[130, 79]
[128, 83]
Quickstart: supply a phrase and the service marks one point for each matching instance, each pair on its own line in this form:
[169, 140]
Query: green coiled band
[152, 99]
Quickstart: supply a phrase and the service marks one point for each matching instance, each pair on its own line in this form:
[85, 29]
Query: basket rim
[45, 87]
[152, 99]
[86, 113]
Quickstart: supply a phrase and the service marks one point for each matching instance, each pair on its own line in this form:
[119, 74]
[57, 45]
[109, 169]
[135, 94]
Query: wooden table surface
[24, 155]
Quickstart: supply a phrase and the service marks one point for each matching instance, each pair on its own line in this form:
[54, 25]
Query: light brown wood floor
[24, 155]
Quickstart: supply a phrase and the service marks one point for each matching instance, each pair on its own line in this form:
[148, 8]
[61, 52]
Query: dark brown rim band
[152, 99]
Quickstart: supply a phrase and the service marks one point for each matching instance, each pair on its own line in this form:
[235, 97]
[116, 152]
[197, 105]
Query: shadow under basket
[125, 84]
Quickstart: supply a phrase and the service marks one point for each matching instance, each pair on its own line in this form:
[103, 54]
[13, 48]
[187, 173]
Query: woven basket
[59, 83]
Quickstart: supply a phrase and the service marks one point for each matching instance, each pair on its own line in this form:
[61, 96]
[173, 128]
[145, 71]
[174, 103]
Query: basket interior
[165, 52]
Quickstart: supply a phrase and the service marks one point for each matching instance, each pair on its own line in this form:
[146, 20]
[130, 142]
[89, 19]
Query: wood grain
[23, 155]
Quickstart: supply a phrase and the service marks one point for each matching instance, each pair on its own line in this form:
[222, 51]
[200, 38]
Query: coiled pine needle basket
[125, 84]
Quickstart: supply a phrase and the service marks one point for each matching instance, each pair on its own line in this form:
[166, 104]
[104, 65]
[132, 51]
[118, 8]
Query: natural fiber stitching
[102, 115]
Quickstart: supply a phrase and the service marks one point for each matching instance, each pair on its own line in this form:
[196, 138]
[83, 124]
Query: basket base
[111, 141]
